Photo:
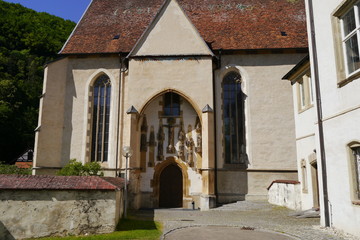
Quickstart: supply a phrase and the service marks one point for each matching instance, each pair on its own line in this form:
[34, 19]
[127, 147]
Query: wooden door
[171, 187]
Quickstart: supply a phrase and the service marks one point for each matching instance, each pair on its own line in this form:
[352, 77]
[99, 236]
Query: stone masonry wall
[29, 213]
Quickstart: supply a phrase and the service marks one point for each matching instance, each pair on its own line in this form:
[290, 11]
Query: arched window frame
[234, 145]
[100, 92]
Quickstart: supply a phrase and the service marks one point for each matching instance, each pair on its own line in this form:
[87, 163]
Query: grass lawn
[126, 229]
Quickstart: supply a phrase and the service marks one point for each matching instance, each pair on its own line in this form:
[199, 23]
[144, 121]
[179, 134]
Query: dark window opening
[234, 119]
[171, 104]
[100, 119]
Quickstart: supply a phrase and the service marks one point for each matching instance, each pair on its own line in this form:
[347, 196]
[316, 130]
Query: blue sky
[67, 9]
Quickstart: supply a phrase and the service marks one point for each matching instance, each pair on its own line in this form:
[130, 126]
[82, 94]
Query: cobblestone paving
[252, 214]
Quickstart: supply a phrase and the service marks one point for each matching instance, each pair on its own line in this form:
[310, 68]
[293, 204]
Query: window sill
[305, 108]
[356, 202]
[349, 79]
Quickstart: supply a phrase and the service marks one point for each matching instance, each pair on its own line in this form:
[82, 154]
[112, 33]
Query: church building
[193, 87]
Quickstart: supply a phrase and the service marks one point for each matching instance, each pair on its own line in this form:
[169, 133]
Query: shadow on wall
[4, 233]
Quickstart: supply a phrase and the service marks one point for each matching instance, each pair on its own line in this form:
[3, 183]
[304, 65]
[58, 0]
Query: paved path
[242, 220]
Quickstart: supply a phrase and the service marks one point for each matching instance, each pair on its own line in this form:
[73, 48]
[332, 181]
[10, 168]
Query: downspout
[319, 113]
[218, 65]
[118, 114]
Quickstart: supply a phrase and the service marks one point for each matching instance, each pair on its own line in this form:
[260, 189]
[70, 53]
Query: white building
[334, 37]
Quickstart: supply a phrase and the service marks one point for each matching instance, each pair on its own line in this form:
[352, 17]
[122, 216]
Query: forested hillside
[28, 40]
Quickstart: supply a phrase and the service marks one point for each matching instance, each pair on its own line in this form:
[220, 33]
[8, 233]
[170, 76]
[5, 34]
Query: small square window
[305, 92]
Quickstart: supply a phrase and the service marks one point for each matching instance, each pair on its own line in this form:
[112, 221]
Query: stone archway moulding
[192, 103]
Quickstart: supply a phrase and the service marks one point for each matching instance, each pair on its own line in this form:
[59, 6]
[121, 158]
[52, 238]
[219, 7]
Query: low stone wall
[285, 193]
[59, 212]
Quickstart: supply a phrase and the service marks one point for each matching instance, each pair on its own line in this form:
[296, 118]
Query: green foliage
[74, 168]
[12, 169]
[126, 229]
[28, 40]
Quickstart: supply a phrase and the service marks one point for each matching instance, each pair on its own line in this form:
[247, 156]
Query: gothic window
[100, 119]
[171, 104]
[234, 119]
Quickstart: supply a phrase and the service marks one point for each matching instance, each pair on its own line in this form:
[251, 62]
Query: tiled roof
[44, 182]
[24, 164]
[227, 24]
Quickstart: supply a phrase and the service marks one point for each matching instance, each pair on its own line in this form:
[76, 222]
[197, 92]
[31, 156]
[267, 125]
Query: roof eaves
[303, 62]
[77, 24]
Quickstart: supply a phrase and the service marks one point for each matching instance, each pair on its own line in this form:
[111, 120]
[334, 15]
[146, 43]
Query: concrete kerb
[240, 229]
[259, 215]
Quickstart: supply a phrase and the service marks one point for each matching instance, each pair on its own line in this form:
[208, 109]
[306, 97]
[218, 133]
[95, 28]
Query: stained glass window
[234, 119]
[100, 119]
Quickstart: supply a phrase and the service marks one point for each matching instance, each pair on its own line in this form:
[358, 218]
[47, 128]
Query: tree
[28, 40]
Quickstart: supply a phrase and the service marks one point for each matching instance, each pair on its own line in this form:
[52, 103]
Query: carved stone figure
[152, 145]
[143, 138]
[171, 135]
[160, 138]
[198, 148]
[190, 153]
[181, 138]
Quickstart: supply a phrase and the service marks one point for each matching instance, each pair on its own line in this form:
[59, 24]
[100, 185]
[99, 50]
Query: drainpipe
[122, 70]
[218, 64]
[314, 60]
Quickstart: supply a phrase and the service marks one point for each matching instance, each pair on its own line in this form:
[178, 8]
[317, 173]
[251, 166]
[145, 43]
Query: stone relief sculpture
[143, 138]
[171, 135]
[181, 138]
[160, 138]
[198, 148]
[190, 147]
[152, 145]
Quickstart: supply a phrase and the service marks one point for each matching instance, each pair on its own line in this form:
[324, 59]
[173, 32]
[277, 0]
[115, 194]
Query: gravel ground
[257, 215]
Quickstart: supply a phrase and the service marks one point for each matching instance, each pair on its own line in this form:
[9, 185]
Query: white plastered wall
[341, 114]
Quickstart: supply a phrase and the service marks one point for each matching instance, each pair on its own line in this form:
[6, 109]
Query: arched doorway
[171, 187]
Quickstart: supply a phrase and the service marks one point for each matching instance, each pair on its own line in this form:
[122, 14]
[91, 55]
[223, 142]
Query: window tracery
[101, 90]
[234, 119]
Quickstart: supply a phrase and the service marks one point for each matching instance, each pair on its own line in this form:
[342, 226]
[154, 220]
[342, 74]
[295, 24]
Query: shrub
[74, 168]
[12, 169]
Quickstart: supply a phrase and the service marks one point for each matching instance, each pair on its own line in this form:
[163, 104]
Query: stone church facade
[193, 87]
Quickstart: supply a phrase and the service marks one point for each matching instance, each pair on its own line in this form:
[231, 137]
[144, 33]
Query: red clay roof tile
[44, 182]
[228, 24]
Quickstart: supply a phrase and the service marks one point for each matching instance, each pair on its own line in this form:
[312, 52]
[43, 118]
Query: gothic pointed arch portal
[169, 126]
[170, 183]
